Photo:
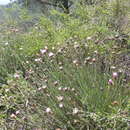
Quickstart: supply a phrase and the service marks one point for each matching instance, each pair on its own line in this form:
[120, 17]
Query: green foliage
[63, 72]
[67, 93]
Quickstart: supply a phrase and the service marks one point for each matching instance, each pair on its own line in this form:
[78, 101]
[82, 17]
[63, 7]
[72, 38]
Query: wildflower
[58, 129]
[93, 60]
[65, 89]
[60, 63]
[38, 60]
[76, 46]
[61, 105]
[114, 75]
[20, 48]
[48, 110]
[17, 112]
[61, 67]
[76, 121]
[16, 75]
[27, 62]
[73, 89]
[36, 27]
[60, 51]
[85, 61]
[60, 98]
[30, 71]
[48, 95]
[44, 86]
[43, 51]
[96, 52]
[6, 43]
[59, 88]
[53, 48]
[75, 111]
[75, 42]
[6, 90]
[88, 58]
[13, 115]
[56, 83]
[51, 61]
[120, 71]
[51, 54]
[113, 67]
[58, 43]
[110, 82]
[46, 48]
[14, 30]
[40, 88]
[113, 52]
[75, 61]
[89, 38]
[46, 80]
[76, 94]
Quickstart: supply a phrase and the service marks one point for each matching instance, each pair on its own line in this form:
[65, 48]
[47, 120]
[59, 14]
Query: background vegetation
[65, 68]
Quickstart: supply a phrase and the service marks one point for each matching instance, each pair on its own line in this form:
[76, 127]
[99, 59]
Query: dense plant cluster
[68, 71]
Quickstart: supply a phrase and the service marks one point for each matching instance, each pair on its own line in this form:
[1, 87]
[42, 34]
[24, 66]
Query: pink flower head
[93, 60]
[43, 51]
[110, 82]
[114, 75]
[16, 75]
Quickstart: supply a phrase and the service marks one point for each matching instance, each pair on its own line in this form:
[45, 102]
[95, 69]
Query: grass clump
[66, 91]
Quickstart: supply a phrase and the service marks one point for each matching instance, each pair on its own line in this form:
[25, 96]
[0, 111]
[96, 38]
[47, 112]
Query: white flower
[6, 90]
[43, 51]
[38, 59]
[59, 88]
[17, 112]
[76, 46]
[6, 43]
[46, 48]
[44, 86]
[88, 58]
[75, 110]
[13, 116]
[61, 67]
[48, 110]
[60, 98]
[51, 54]
[89, 38]
[75, 61]
[113, 67]
[61, 105]
[16, 75]
[20, 48]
